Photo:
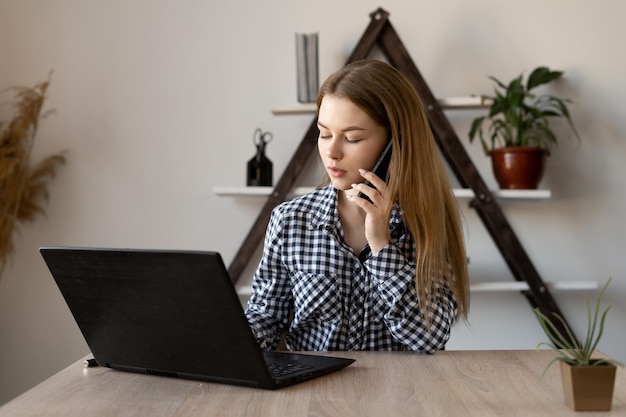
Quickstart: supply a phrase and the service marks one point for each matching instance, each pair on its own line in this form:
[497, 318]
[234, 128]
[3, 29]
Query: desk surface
[449, 383]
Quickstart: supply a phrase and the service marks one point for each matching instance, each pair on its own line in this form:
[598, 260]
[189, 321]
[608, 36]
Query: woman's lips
[336, 172]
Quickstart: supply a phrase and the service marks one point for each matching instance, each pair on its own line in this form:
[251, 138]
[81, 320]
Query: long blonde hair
[416, 179]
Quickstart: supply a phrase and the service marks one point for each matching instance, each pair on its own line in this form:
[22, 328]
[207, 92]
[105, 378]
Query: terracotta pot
[588, 388]
[518, 167]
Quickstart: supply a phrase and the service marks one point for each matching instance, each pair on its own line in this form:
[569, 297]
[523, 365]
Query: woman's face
[349, 139]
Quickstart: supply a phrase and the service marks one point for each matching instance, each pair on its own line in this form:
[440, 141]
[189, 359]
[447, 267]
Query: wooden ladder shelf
[381, 33]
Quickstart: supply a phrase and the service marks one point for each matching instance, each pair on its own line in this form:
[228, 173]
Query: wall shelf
[381, 33]
[495, 286]
[458, 192]
[451, 103]
[516, 286]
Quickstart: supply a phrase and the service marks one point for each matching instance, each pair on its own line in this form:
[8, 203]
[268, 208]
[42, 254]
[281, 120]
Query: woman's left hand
[376, 223]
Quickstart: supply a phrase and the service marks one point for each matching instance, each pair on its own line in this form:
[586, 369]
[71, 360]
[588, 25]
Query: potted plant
[516, 133]
[588, 381]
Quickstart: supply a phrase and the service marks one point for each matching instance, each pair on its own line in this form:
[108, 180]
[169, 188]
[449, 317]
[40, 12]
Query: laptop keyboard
[281, 369]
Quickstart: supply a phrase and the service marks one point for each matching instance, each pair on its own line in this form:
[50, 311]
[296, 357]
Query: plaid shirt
[311, 282]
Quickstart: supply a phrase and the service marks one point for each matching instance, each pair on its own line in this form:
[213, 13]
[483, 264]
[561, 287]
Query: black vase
[259, 168]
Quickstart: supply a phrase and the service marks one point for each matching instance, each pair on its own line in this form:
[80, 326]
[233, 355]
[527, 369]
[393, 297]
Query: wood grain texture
[448, 383]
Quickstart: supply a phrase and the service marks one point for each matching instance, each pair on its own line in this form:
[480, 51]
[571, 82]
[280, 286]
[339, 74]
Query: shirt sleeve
[394, 279]
[270, 302]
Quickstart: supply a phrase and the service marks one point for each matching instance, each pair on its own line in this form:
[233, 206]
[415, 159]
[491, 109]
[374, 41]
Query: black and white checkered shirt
[339, 302]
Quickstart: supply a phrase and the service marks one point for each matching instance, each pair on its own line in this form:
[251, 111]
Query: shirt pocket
[316, 297]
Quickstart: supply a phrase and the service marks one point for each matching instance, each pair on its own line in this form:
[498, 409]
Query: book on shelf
[307, 66]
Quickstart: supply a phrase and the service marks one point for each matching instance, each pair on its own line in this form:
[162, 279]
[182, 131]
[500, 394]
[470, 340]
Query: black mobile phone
[380, 168]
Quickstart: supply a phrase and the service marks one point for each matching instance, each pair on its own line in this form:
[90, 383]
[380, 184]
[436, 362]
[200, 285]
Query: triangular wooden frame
[381, 33]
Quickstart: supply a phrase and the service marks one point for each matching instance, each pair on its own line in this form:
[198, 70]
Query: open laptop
[171, 313]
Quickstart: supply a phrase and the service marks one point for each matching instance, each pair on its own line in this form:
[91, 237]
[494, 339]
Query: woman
[340, 272]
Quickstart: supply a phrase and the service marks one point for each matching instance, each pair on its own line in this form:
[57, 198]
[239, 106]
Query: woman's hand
[376, 223]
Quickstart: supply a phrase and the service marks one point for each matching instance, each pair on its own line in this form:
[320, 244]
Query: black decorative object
[260, 167]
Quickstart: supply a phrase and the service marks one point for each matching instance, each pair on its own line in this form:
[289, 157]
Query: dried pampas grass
[23, 185]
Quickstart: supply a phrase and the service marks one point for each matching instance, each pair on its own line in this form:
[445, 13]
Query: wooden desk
[450, 383]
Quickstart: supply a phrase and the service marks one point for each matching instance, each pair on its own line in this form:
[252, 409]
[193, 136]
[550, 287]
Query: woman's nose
[333, 149]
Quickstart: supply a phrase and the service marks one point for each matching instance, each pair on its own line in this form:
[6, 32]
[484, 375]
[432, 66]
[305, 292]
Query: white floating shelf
[513, 286]
[297, 108]
[255, 191]
[510, 194]
[451, 103]
[523, 286]
[458, 192]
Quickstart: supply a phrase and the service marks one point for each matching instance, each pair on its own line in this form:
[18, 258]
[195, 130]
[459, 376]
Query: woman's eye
[326, 135]
[353, 140]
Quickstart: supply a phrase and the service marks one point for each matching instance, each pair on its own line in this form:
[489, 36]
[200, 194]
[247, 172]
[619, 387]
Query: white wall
[156, 104]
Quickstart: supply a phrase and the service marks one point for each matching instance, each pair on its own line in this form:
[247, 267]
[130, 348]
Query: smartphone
[381, 167]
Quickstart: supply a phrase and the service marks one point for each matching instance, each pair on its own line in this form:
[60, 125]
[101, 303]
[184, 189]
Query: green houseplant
[517, 128]
[587, 381]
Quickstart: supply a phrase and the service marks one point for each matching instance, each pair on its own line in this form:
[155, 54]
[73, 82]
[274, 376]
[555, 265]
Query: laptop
[171, 313]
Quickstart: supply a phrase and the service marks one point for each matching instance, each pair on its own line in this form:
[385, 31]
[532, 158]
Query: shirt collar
[327, 216]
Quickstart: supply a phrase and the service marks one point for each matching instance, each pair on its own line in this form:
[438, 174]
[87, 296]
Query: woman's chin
[341, 185]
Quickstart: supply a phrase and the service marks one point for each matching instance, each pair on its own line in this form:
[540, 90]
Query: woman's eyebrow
[347, 129]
